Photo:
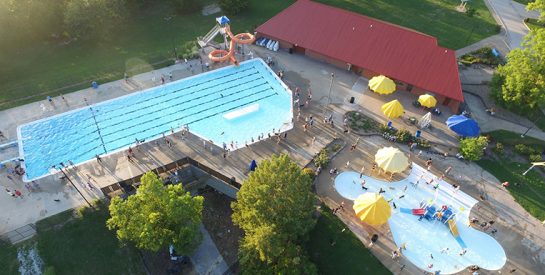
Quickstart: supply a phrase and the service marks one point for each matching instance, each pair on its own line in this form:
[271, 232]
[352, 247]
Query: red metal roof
[392, 50]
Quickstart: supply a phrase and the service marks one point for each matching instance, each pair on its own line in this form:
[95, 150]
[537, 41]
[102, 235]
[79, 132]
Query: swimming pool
[231, 104]
[425, 239]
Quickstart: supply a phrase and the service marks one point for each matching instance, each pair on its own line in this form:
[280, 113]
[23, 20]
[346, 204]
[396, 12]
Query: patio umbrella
[463, 126]
[391, 160]
[393, 109]
[372, 209]
[427, 100]
[382, 85]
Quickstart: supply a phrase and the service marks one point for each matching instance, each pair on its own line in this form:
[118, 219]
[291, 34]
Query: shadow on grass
[80, 243]
[347, 256]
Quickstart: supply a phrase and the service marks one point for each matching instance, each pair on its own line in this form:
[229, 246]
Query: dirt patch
[217, 220]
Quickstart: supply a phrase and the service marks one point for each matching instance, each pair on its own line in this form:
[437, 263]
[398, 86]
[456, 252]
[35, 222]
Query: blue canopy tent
[222, 20]
[253, 165]
[463, 126]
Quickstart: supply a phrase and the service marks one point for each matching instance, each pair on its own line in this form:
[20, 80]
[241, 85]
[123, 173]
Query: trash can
[352, 100]
[94, 84]
[418, 133]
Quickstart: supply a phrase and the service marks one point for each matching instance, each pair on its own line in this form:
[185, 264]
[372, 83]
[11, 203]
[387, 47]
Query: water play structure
[444, 215]
[229, 53]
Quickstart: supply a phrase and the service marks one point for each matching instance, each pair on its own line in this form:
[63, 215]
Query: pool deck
[518, 232]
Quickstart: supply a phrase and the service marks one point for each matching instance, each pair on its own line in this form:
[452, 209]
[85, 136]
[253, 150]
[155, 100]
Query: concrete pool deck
[519, 233]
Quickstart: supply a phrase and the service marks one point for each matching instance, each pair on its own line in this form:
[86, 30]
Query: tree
[187, 6]
[274, 208]
[522, 79]
[232, 7]
[538, 5]
[158, 215]
[93, 18]
[473, 148]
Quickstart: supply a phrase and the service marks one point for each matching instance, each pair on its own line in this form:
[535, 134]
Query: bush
[336, 148]
[473, 148]
[322, 159]
[403, 136]
[535, 158]
[310, 172]
[232, 7]
[526, 150]
[189, 50]
[499, 149]
[187, 6]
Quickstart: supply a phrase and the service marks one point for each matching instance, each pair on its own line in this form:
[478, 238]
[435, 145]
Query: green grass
[438, 18]
[83, 245]
[533, 24]
[530, 189]
[347, 256]
[8, 258]
[510, 138]
[31, 72]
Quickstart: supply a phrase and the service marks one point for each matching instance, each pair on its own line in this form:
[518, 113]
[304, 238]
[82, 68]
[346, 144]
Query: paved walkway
[206, 259]
[475, 80]
[519, 233]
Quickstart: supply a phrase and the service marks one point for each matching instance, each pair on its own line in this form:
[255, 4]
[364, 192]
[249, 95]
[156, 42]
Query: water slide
[416, 211]
[454, 231]
[223, 55]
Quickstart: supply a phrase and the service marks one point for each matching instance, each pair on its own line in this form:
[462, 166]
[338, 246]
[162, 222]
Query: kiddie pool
[426, 239]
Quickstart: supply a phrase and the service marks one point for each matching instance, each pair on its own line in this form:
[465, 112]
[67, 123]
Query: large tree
[158, 215]
[274, 207]
[520, 83]
[538, 5]
[473, 148]
[93, 18]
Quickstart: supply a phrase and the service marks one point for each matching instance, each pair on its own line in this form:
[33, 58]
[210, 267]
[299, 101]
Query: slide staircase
[203, 41]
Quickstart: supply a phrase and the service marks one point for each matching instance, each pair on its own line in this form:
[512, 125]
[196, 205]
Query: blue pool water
[422, 238]
[232, 104]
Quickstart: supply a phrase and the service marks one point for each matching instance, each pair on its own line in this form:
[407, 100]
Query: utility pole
[529, 128]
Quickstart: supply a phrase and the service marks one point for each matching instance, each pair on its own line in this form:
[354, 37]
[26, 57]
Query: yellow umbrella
[382, 85]
[372, 209]
[393, 109]
[427, 100]
[391, 160]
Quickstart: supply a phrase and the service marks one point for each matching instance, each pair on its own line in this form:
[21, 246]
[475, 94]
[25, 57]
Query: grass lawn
[530, 191]
[8, 258]
[510, 138]
[83, 245]
[438, 18]
[347, 256]
[33, 71]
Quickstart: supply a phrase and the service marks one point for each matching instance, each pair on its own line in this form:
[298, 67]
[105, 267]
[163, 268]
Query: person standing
[361, 171]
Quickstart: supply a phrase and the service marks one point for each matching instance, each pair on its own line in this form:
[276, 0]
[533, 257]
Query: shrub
[189, 50]
[526, 150]
[187, 6]
[322, 159]
[473, 148]
[310, 172]
[535, 158]
[521, 148]
[499, 149]
[403, 136]
[232, 7]
[336, 147]
[422, 143]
